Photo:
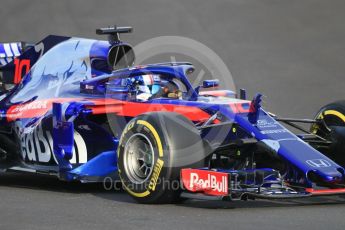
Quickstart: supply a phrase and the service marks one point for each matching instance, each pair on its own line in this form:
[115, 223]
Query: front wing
[244, 184]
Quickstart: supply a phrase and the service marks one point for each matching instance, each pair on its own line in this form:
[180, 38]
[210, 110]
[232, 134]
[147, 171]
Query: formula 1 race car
[80, 110]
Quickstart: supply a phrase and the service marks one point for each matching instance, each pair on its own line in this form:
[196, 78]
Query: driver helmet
[149, 83]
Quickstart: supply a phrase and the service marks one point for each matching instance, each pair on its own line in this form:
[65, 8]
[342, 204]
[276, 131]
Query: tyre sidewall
[176, 143]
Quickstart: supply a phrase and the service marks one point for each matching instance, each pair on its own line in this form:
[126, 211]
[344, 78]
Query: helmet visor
[155, 88]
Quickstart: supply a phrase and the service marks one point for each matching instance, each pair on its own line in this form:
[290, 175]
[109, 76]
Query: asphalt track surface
[291, 51]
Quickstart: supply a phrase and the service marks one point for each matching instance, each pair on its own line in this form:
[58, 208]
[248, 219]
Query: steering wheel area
[168, 89]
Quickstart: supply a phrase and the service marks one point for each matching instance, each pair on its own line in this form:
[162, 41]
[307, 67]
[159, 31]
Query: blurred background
[291, 51]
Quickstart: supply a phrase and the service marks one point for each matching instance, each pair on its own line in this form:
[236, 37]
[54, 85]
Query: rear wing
[9, 51]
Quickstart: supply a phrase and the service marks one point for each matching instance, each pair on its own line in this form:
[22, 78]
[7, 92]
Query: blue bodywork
[56, 113]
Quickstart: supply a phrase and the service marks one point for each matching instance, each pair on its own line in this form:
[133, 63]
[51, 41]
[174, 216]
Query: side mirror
[210, 83]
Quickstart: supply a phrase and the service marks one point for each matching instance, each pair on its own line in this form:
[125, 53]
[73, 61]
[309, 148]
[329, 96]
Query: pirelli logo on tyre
[128, 127]
[155, 175]
[160, 163]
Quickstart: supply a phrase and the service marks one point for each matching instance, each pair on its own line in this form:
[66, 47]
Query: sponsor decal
[318, 163]
[270, 127]
[37, 146]
[274, 131]
[35, 108]
[208, 182]
[266, 124]
[35, 105]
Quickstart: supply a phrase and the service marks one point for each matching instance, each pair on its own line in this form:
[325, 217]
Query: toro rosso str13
[78, 109]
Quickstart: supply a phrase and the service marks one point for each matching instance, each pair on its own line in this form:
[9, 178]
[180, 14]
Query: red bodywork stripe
[239, 107]
[133, 109]
[325, 191]
[215, 93]
[122, 108]
[101, 106]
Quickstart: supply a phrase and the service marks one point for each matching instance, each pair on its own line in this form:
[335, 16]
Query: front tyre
[332, 129]
[152, 150]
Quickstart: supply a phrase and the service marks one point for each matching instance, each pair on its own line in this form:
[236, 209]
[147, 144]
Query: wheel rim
[330, 118]
[138, 158]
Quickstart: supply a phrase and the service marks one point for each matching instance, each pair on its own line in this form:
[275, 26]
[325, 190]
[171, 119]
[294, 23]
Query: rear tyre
[333, 129]
[152, 150]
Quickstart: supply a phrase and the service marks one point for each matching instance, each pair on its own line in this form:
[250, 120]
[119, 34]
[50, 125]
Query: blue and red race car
[78, 109]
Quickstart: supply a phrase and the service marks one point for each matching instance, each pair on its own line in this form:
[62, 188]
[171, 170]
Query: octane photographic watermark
[176, 49]
[206, 59]
[111, 184]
